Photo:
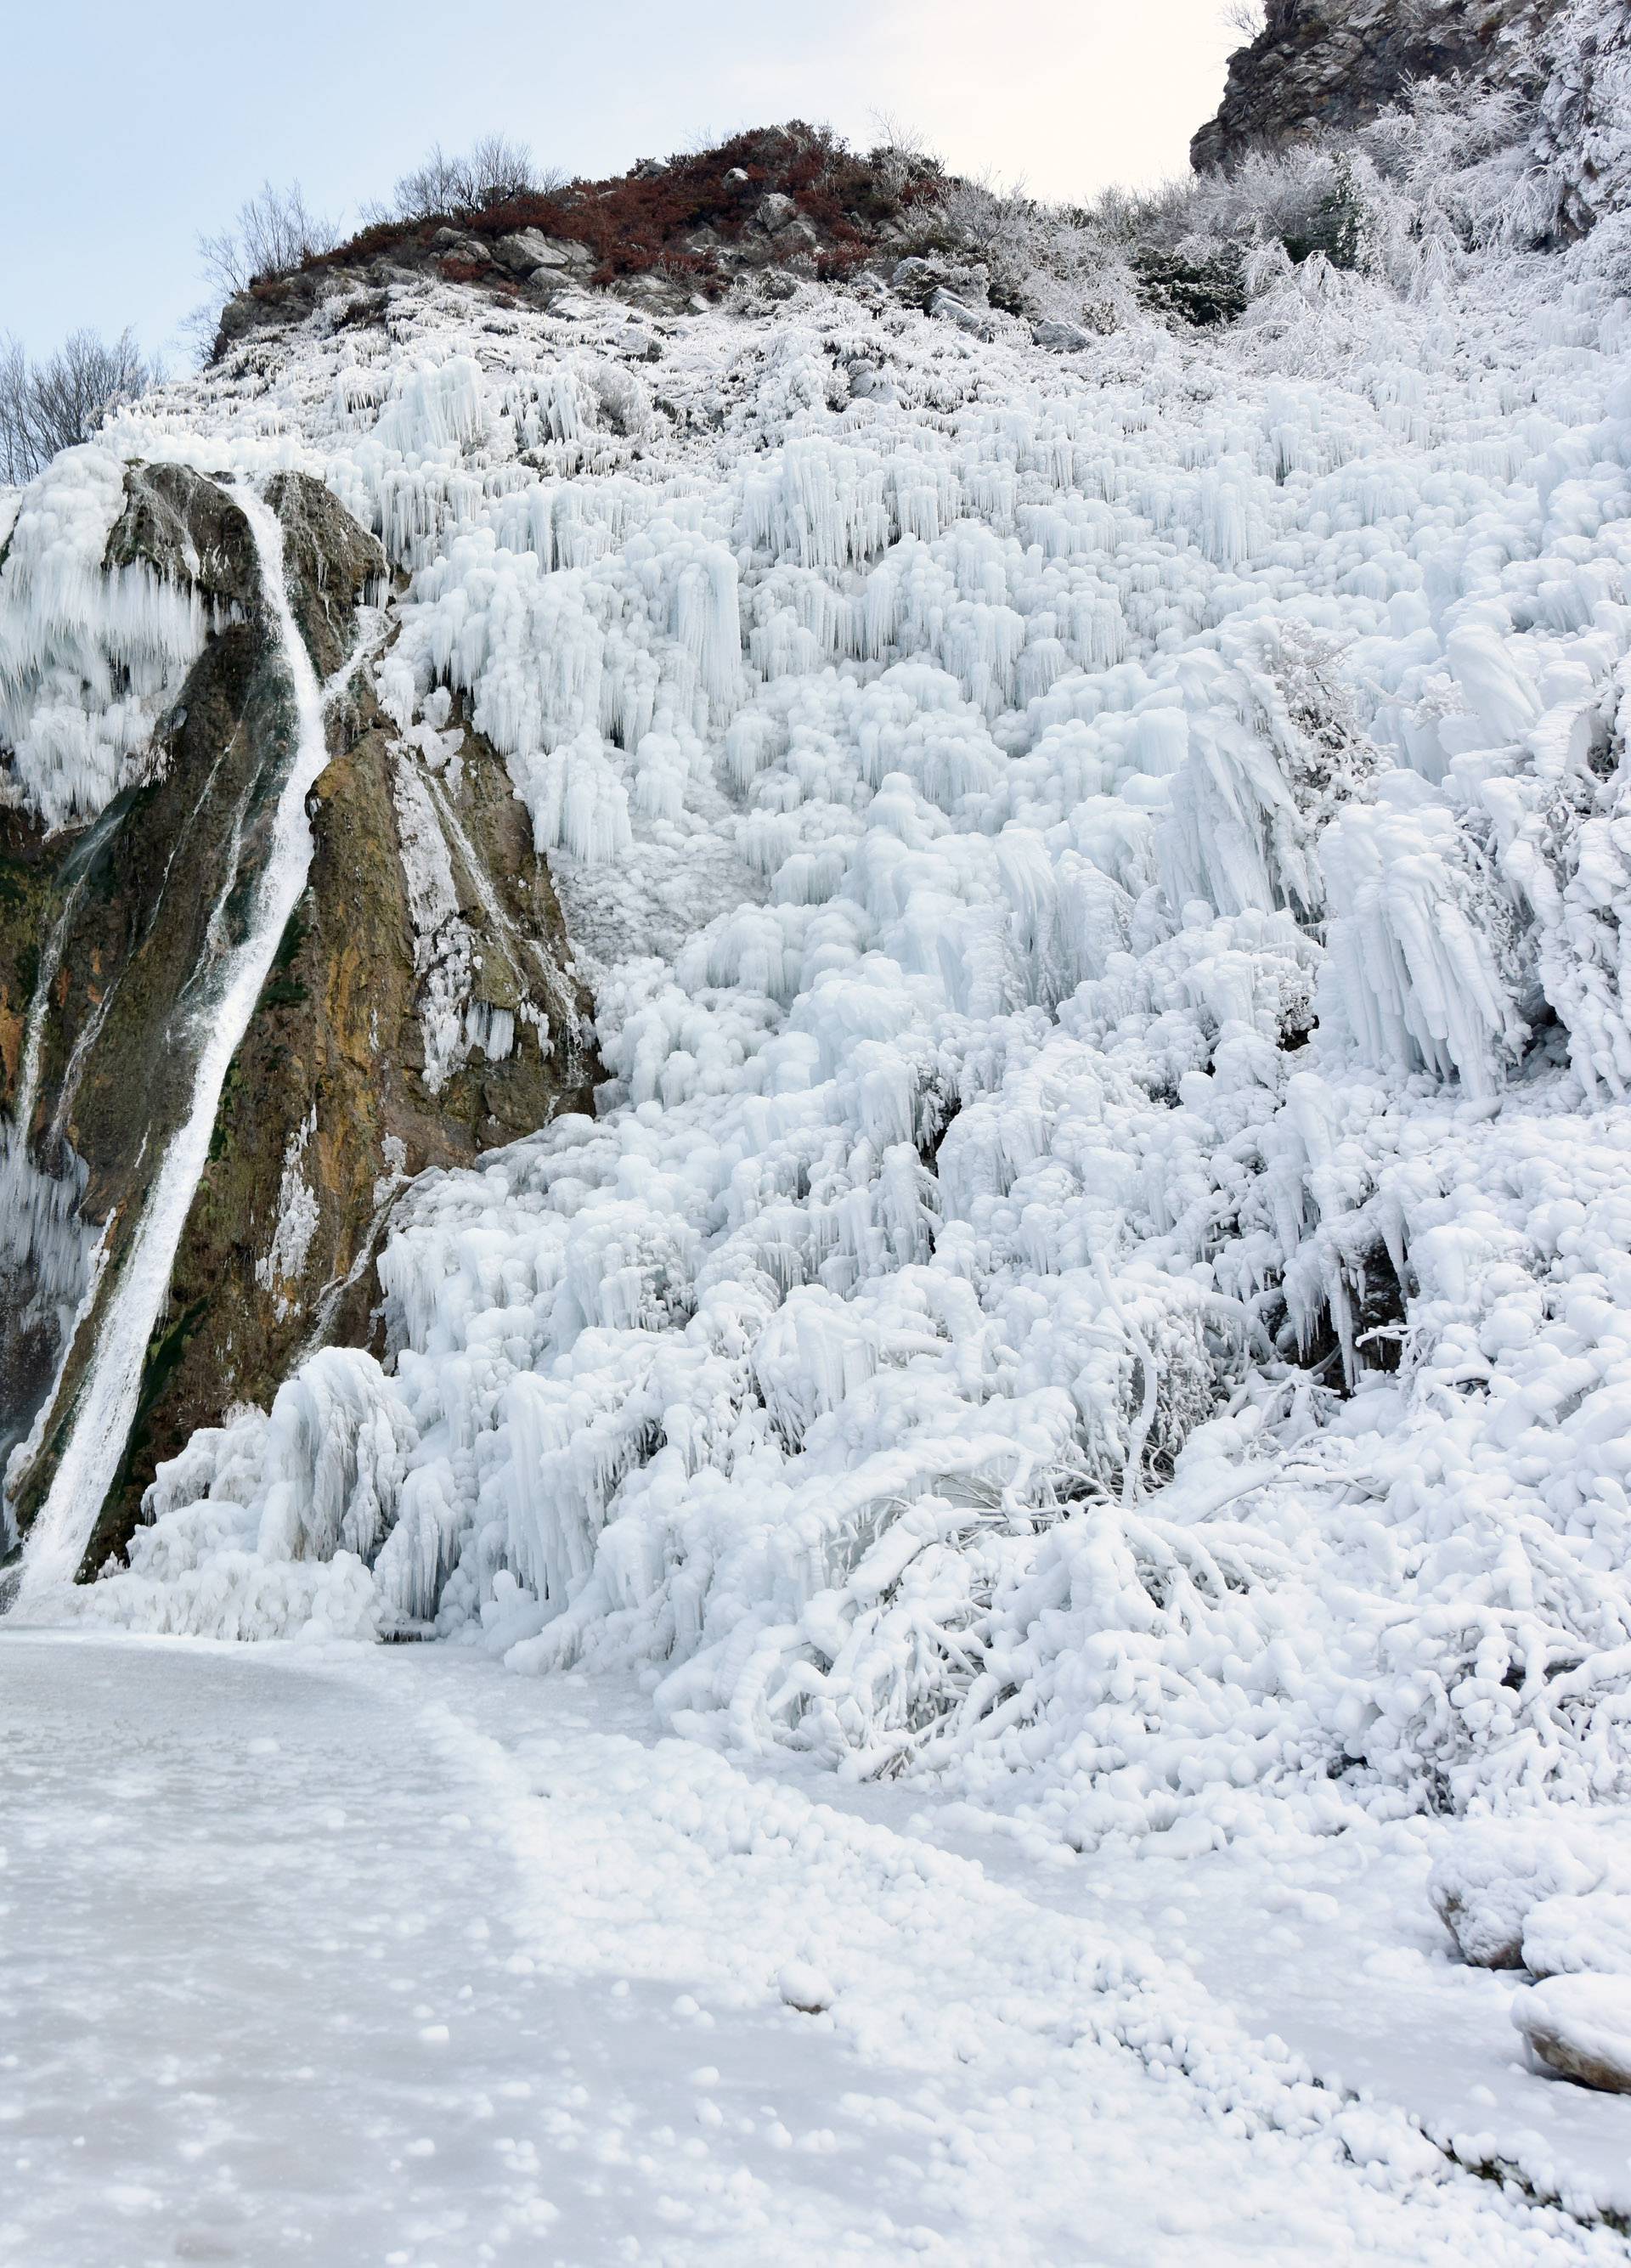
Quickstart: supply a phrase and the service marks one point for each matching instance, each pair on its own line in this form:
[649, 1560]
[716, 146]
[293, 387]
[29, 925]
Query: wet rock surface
[327, 1110]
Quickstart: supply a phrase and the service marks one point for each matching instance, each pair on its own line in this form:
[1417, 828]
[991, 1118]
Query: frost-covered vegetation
[1101, 1266]
[1460, 168]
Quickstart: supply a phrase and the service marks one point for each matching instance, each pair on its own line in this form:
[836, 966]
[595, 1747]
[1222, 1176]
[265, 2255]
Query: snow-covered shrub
[494, 170]
[1022, 257]
[274, 232]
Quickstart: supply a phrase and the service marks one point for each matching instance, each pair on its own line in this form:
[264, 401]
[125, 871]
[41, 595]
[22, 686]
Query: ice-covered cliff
[1097, 1260]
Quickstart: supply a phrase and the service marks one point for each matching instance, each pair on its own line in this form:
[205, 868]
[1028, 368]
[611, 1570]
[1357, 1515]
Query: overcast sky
[130, 125]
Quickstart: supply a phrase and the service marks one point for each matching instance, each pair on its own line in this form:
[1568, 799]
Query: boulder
[775, 211]
[919, 280]
[332, 1092]
[1322, 64]
[529, 249]
[1575, 1936]
[914, 278]
[572, 306]
[1490, 1876]
[1580, 2027]
[1061, 338]
[802, 1986]
[658, 294]
[950, 309]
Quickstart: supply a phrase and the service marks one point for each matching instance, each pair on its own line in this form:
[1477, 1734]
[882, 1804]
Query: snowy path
[383, 1957]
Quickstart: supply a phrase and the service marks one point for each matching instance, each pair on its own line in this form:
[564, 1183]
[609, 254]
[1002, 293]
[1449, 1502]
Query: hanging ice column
[106, 1406]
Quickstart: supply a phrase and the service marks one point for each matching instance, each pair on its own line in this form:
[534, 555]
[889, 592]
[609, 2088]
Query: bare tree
[1247, 16]
[52, 405]
[276, 232]
[494, 169]
[16, 456]
[897, 135]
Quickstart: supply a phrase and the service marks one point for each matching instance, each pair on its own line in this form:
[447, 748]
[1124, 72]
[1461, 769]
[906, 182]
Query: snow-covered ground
[349, 1955]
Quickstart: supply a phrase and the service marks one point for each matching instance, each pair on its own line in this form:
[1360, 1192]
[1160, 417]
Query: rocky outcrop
[665, 236]
[377, 1047]
[1579, 2027]
[1320, 64]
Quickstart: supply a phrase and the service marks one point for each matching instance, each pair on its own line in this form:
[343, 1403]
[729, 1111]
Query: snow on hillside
[1101, 1267]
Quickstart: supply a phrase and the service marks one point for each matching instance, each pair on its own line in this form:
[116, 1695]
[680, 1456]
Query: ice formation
[1101, 1261]
[89, 654]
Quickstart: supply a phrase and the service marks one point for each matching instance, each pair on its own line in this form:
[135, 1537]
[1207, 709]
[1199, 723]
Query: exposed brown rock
[334, 1046]
[328, 1108]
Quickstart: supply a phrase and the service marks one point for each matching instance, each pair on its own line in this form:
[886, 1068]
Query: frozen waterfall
[106, 1402]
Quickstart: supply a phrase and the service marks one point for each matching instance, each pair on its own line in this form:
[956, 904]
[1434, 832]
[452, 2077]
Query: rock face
[106, 928]
[386, 1040]
[1324, 64]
